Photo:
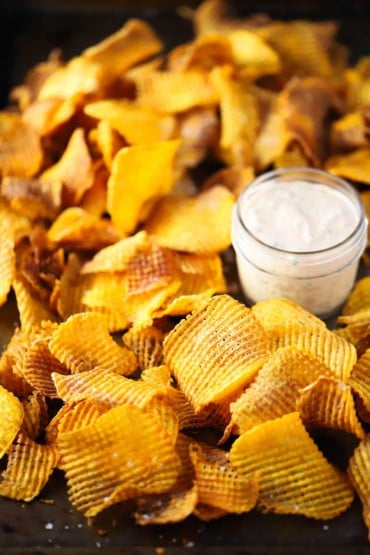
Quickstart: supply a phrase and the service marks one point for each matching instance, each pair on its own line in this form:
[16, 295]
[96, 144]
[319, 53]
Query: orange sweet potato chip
[199, 224]
[286, 459]
[133, 459]
[230, 346]
[140, 175]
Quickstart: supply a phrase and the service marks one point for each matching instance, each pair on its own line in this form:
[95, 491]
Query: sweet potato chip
[358, 471]
[7, 261]
[274, 311]
[140, 175]
[105, 389]
[172, 92]
[359, 298]
[294, 476]
[359, 378]
[120, 469]
[328, 403]
[240, 119]
[76, 228]
[147, 346]
[219, 484]
[334, 351]
[230, 346]
[29, 467]
[32, 310]
[199, 224]
[136, 123]
[354, 166]
[11, 418]
[21, 152]
[74, 169]
[276, 388]
[83, 343]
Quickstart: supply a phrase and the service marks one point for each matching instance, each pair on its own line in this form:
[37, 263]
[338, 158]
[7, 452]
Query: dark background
[29, 30]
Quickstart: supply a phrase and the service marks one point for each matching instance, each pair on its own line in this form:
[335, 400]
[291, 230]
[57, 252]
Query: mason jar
[299, 233]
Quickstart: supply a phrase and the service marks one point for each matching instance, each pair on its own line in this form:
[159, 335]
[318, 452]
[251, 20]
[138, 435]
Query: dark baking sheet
[28, 31]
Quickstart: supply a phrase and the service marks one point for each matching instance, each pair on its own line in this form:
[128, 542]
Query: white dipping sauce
[299, 233]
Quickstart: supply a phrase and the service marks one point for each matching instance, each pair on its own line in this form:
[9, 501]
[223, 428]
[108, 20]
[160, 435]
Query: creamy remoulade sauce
[300, 216]
[299, 233]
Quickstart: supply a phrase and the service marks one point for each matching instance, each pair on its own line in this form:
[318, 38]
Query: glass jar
[299, 233]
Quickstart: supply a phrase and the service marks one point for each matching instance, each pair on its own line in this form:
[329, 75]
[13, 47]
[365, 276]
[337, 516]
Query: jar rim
[312, 175]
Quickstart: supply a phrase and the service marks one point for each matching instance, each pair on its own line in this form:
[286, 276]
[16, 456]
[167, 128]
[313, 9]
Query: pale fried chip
[199, 224]
[328, 403]
[287, 460]
[83, 343]
[11, 419]
[358, 471]
[230, 347]
[29, 467]
[276, 388]
[334, 351]
[140, 175]
[120, 469]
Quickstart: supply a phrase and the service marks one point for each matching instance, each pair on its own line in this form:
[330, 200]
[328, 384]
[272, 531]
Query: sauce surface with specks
[300, 216]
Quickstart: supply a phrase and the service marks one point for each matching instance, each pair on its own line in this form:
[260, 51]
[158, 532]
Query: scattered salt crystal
[49, 526]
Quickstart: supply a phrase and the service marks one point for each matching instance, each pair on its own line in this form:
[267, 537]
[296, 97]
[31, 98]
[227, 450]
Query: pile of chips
[129, 340]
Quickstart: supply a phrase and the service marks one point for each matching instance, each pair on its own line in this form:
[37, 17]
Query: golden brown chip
[359, 378]
[219, 484]
[140, 175]
[216, 351]
[232, 177]
[83, 343]
[18, 225]
[135, 123]
[11, 418]
[328, 403]
[199, 224]
[37, 366]
[359, 298]
[354, 166]
[173, 92]
[74, 169]
[272, 312]
[76, 228]
[21, 152]
[29, 467]
[240, 119]
[32, 198]
[157, 375]
[32, 310]
[147, 346]
[358, 471]
[348, 132]
[276, 388]
[294, 476]
[133, 459]
[153, 269]
[106, 389]
[35, 415]
[163, 409]
[7, 261]
[106, 140]
[356, 325]
[334, 351]
[203, 53]
[47, 116]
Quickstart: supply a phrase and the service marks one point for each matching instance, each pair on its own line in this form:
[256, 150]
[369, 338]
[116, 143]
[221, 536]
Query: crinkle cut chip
[134, 458]
[216, 351]
[294, 476]
[11, 417]
[358, 470]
